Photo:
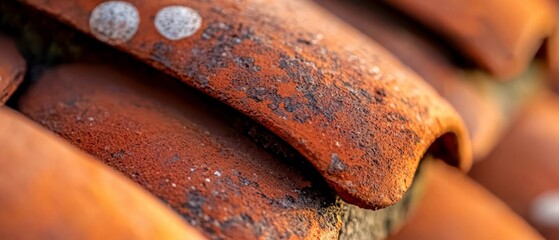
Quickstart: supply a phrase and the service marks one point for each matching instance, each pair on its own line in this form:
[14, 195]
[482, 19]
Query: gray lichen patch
[177, 22]
[114, 21]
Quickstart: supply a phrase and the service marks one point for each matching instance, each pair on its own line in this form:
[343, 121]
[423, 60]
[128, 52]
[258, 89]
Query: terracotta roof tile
[274, 119]
[181, 147]
[332, 94]
[423, 54]
[49, 189]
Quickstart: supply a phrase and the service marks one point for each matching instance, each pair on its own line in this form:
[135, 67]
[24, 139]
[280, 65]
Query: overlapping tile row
[342, 101]
[297, 108]
[49, 189]
[184, 150]
[487, 106]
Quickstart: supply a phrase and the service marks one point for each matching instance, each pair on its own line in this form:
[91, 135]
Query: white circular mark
[114, 21]
[545, 209]
[177, 22]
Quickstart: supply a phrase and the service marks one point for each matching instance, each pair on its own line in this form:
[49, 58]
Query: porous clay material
[12, 69]
[174, 142]
[242, 190]
[427, 57]
[354, 112]
[49, 189]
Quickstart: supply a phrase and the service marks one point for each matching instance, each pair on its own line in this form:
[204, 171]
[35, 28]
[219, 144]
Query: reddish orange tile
[424, 55]
[306, 81]
[184, 149]
[51, 190]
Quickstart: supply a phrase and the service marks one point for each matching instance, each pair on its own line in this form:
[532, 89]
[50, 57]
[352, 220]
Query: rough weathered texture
[50, 190]
[182, 148]
[501, 36]
[455, 207]
[432, 61]
[343, 102]
[12, 68]
[194, 160]
[359, 223]
[525, 165]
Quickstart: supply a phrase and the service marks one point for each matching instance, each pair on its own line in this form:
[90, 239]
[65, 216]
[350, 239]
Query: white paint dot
[545, 209]
[177, 22]
[114, 21]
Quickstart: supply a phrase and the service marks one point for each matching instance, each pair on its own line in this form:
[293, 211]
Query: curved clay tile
[501, 36]
[48, 189]
[12, 69]
[455, 207]
[183, 152]
[424, 55]
[524, 169]
[184, 149]
[346, 105]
